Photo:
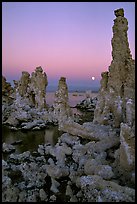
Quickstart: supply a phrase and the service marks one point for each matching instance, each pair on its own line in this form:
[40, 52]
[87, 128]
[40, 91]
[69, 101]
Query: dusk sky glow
[70, 39]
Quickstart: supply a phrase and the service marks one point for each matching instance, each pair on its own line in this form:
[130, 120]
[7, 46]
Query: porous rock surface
[117, 90]
[61, 106]
[33, 88]
[67, 172]
[116, 99]
[92, 162]
[28, 108]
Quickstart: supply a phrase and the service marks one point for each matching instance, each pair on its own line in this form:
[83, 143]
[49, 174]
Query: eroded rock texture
[7, 91]
[28, 107]
[33, 88]
[116, 100]
[118, 84]
[7, 98]
[61, 106]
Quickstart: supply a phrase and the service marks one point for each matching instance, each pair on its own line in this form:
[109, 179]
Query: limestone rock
[61, 107]
[94, 167]
[37, 88]
[23, 83]
[106, 191]
[7, 148]
[56, 171]
[87, 104]
[7, 98]
[117, 84]
[7, 90]
[43, 195]
[54, 186]
[33, 88]
[119, 12]
[29, 101]
[116, 98]
[127, 148]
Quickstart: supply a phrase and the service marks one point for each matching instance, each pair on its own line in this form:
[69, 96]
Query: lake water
[74, 97]
[32, 138]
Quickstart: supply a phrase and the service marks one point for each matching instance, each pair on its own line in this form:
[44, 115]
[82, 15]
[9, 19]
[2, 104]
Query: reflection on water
[30, 139]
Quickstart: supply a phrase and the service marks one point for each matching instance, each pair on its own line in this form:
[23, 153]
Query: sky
[69, 39]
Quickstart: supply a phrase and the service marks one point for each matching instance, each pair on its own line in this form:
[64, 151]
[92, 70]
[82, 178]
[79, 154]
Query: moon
[93, 78]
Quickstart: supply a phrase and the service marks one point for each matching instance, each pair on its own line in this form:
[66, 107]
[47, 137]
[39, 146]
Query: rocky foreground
[74, 170]
[91, 162]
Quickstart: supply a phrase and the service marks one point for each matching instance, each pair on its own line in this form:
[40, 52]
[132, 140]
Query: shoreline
[74, 97]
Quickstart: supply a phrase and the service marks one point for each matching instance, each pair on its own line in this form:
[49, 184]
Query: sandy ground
[74, 97]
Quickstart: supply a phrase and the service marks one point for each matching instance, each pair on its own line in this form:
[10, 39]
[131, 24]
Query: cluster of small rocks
[88, 104]
[28, 102]
[27, 112]
[69, 171]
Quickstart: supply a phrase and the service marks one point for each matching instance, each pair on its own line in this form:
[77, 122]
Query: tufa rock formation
[93, 162]
[62, 109]
[7, 98]
[7, 91]
[33, 88]
[116, 104]
[28, 108]
[37, 87]
[118, 84]
[116, 99]
[22, 84]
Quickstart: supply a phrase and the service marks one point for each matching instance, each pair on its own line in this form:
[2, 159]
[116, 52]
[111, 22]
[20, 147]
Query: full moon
[93, 78]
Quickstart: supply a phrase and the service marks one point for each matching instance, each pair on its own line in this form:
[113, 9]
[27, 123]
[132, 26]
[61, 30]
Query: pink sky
[67, 39]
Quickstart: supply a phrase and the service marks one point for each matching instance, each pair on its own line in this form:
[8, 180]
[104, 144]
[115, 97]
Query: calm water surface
[30, 139]
[74, 98]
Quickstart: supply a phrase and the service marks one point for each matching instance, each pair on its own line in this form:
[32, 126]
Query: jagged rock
[34, 171]
[30, 125]
[37, 88]
[90, 131]
[10, 194]
[43, 195]
[119, 12]
[127, 148]
[7, 91]
[7, 98]
[7, 148]
[118, 84]
[52, 198]
[33, 88]
[32, 196]
[22, 84]
[93, 168]
[106, 191]
[87, 104]
[61, 152]
[57, 171]
[54, 186]
[68, 139]
[61, 107]
[116, 98]
[29, 101]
